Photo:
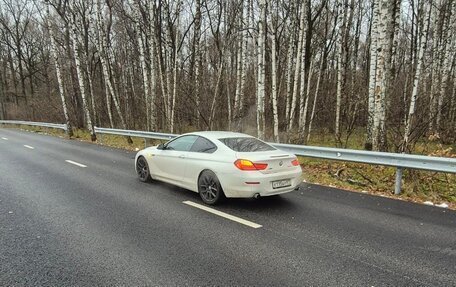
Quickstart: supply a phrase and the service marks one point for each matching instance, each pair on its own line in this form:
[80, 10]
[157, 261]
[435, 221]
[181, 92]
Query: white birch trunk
[340, 65]
[303, 82]
[434, 67]
[161, 71]
[198, 59]
[92, 94]
[338, 94]
[416, 79]
[397, 22]
[302, 96]
[289, 79]
[448, 50]
[142, 62]
[173, 102]
[169, 74]
[306, 105]
[100, 44]
[378, 93]
[198, 86]
[168, 59]
[106, 67]
[108, 104]
[228, 98]
[261, 70]
[77, 58]
[290, 64]
[372, 75]
[244, 66]
[59, 74]
[175, 68]
[298, 66]
[383, 71]
[274, 91]
[317, 88]
[239, 44]
[388, 76]
[153, 113]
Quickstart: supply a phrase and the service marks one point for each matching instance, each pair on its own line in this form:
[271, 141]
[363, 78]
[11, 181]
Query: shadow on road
[271, 204]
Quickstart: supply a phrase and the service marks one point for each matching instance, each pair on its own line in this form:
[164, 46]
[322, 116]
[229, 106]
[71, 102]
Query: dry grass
[417, 186]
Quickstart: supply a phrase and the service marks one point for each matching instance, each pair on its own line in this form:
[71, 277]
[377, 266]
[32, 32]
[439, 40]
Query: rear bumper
[247, 184]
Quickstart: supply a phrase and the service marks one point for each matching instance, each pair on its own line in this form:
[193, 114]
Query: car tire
[142, 169]
[209, 188]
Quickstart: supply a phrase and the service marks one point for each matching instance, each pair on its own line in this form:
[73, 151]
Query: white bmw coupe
[219, 165]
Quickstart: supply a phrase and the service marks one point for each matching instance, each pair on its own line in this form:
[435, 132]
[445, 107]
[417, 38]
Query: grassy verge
[417, 186]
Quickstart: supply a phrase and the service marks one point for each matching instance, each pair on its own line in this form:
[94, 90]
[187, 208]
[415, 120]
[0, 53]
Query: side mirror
[161, 146]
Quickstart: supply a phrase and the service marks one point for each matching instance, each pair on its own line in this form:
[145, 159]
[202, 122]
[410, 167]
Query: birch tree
[244, 64]
[274, 89]
[152, 53]
[340, 64]
[448, 49]
[303, 98]
[298, 65]
[435, 28]
[427, 8]
[58, 71]
[75, 40]
[142, 60]
[175, 67]
[104, 53]
[372, 73]
[261, 54]
[198, 60]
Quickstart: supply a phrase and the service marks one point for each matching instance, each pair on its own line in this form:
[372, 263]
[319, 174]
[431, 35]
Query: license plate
[281, 183]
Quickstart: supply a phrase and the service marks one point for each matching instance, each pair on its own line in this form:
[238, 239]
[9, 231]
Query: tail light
[295, 162]
[244, 164]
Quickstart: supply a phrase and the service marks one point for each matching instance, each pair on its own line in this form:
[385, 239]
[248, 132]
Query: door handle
[182, 156]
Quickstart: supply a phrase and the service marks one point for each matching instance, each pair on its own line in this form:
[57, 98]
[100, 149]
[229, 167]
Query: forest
[281, 70]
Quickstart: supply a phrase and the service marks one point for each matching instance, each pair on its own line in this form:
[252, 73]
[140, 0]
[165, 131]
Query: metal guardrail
[431, 163]
[132, 133]
[39, 124]
[399, 161]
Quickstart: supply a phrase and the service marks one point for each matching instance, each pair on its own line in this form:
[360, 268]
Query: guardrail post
[397, 187]
[145, 142]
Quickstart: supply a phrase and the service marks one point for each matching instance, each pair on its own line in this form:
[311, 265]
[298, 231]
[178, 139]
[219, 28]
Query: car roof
[218, 134]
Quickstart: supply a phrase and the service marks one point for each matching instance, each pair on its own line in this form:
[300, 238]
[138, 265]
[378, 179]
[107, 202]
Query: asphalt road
[95, 224]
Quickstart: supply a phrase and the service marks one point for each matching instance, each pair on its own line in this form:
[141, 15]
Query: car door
[198, 158]
[171, 160]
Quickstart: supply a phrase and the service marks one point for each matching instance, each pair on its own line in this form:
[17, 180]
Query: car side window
[203, 145]
[183, 143]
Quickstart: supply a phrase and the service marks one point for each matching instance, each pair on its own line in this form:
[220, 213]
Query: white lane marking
[223, 214]
[29, 147]
[75, 163]
[3, 138]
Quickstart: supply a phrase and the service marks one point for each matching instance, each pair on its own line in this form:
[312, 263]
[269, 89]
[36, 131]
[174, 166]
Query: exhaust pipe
[297, 188]
[256, 195]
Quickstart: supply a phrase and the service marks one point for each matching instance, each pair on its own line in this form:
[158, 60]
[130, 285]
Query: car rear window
[246, 144]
